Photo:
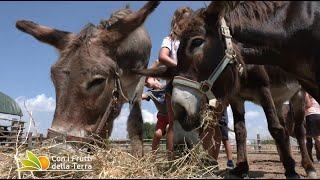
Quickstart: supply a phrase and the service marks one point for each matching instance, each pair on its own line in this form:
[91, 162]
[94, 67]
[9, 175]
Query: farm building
[10, 127]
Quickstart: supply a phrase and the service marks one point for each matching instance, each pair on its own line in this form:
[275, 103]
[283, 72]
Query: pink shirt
[314, 108]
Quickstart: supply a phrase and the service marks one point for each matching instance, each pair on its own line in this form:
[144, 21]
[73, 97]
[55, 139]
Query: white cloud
[252, 114]
[40, 103]
[41, 108]
[255, 120]
[120, 124]
[148, 116]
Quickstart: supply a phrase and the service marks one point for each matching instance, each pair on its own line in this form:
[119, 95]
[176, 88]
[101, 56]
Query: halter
[229, 58]
[112, 107]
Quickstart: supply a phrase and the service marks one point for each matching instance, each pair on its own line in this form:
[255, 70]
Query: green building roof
[9, 106]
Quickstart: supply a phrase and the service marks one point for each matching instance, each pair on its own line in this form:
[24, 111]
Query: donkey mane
[115, 16]
[84, 35]
[190, 26]
[80, 39]
[249, 12]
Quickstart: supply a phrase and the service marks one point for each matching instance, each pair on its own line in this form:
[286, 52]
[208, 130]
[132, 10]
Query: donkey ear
[216, 7]
[123, 27]
[45, 34]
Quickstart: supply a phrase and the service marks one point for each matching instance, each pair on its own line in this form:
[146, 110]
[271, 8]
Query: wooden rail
[257, 146]
[10, 134]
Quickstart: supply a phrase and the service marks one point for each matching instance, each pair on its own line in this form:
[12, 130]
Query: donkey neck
[278, 26]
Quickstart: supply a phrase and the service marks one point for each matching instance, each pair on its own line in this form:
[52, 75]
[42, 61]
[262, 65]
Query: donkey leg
[281, 111]
[297, 104]
[242, 165]
[135, 121]
[278, 133]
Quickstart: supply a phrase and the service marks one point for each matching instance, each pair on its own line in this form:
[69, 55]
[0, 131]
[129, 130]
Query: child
[156, 92]
[312, 114]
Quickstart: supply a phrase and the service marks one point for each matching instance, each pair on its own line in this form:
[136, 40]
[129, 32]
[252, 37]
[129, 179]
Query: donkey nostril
[178, 111]
[180, 114]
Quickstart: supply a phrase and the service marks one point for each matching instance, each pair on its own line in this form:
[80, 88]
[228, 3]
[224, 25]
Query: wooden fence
[258, 145]
[13, 134]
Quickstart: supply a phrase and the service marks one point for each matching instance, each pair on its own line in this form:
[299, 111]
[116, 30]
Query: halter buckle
[213, 103]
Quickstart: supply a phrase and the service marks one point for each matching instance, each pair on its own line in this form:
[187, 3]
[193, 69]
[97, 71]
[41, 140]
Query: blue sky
[25, 62]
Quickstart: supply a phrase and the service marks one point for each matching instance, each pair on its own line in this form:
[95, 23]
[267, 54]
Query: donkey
[92, 76]
[286, 33]
[282, 87]
[266, 86]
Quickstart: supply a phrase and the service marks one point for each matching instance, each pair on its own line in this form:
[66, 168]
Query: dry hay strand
[210, 115]
[113, 162]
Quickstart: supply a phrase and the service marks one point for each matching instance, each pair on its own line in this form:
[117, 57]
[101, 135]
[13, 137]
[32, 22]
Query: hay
[210, 115]
[113, 162]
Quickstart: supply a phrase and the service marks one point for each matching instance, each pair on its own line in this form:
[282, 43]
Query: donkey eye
[197, 42]
[98, 80]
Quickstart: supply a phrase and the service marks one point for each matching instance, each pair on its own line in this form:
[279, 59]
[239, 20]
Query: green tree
[149, 129]
[268, 141]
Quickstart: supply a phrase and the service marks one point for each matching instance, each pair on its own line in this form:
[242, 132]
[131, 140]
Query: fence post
[14, 131]
[259, 142]
[30, 139]
[41, 138]
[14, 125]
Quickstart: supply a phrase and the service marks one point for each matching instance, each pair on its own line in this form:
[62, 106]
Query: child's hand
[144, 96]
[152, 82]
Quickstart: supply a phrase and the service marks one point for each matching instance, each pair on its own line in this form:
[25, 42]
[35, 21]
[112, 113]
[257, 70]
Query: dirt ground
[265, 166]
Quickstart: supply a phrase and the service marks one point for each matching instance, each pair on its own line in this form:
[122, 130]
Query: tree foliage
[268, 141]
[149, 129]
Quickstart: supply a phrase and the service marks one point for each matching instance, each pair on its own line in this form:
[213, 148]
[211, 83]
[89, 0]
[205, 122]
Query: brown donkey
[92, 76]
[265, 85]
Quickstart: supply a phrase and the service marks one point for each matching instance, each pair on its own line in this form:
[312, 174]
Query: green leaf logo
[34, 163]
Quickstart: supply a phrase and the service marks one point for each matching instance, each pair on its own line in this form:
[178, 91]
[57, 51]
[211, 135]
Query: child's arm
[145, 97]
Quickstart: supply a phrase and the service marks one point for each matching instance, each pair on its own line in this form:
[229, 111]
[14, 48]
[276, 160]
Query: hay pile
[114, 162]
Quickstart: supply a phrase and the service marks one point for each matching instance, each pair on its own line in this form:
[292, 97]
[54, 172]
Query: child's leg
[228, 148]
[160, 131]
[156, 139]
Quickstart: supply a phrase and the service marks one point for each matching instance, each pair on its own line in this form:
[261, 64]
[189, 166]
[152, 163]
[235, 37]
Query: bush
[149, 129]
[268, 141]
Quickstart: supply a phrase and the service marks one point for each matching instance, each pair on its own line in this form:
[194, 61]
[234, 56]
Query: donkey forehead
[84, 66]
[83, 62]
[84, 53]
[88, 40]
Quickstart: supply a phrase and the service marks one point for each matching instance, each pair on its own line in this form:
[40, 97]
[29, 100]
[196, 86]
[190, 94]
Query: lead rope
[111, 106]
[120, 87]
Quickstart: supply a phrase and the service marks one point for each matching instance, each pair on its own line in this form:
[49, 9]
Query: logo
[58, 163]
[34, 163]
